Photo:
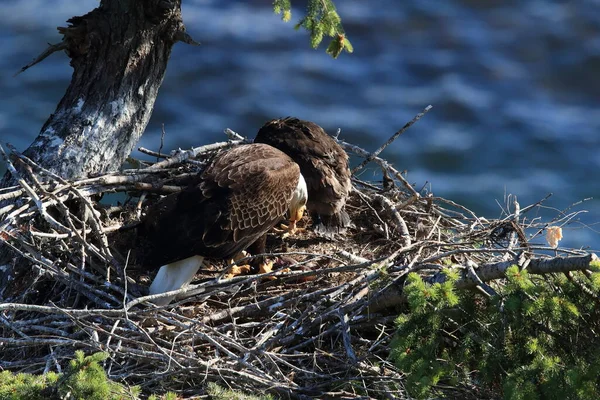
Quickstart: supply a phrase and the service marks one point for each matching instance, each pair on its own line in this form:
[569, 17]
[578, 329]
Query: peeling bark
[119, 54]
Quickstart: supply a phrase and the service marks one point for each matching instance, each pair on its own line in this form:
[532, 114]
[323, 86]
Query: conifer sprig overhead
[321, 20]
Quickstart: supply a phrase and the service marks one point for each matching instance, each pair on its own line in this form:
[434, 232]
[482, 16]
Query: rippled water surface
[515, 88]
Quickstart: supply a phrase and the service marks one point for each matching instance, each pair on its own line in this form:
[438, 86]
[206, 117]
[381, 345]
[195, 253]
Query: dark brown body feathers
[242, 194]
[323, 163]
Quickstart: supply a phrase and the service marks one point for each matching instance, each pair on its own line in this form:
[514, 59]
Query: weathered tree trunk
[119, 54]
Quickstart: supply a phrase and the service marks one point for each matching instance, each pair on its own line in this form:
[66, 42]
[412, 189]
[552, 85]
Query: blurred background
[514, 85]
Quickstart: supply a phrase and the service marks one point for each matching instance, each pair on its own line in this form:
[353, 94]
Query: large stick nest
[322, 328]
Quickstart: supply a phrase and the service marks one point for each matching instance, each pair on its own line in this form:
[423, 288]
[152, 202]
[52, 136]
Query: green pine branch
[84, 378]
[536, 339]
[321, 20]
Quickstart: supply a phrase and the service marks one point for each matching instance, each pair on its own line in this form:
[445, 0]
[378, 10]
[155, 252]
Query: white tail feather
[174, 276]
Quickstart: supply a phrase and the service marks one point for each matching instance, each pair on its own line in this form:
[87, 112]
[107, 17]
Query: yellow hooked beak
[296, 215]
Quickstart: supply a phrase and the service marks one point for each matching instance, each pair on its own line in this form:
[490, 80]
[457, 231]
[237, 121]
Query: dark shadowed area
[513, 84]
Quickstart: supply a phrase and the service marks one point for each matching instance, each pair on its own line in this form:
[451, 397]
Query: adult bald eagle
[237, 199]
[324, 165]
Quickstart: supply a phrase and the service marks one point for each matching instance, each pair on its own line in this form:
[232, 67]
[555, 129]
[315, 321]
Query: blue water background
[515, 88]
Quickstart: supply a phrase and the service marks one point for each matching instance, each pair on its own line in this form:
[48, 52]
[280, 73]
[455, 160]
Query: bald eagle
[324, 165]
[237, 199]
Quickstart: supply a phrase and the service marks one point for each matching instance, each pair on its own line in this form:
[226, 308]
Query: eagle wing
[239, 197]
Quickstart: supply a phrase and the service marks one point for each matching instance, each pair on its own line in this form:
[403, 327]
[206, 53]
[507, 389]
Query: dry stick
[575, 252]
[50, 319]
[297, 328]
[97, 189]
[33, 256]
[351, 257]
[113, 179]
[153, 188]
[558, 221]
[354, 302]
[153, 172]
[160, 349]
[67, 311]
[183, 155]
[93, 217]
[232, 355]
[96, 279]
[10, 326]
[11, 195]
[566, 219]
[243, 350]
[89, 329]
[96, 224]
[484, 287]
[108, 229]
[152, 153]
[345, 331]
[366, 185]
[367, 200]
[34, 197]
[73, 232]
[52, 48]
[385, 165]
[335, 328]
[264, 307]
[48, 330]
[584, 288]
[37, 342]
[9, 189]
[484, 250]
[453, 204]
[514, 238]
[373, 155]
[236, 136]
[411, 265]
[397, 220]
[489, 272]
[271, 332]
[162, 141]
[19, 364]
[217, 284]
[280, 358]
[77, 233]
[7, 208]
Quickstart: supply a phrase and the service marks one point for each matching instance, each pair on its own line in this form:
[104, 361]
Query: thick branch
[489, 272]
[393, 296]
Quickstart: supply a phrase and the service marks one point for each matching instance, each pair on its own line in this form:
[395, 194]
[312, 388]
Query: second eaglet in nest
[324, 165]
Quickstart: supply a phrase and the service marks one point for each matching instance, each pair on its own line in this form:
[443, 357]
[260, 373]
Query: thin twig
[52, 48]
[372, 156]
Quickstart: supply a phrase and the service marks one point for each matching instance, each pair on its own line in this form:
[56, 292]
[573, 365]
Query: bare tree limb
[373, 155]
[52, 48]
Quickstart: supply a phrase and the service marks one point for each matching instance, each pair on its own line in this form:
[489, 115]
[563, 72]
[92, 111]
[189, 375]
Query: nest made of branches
[320, 328]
